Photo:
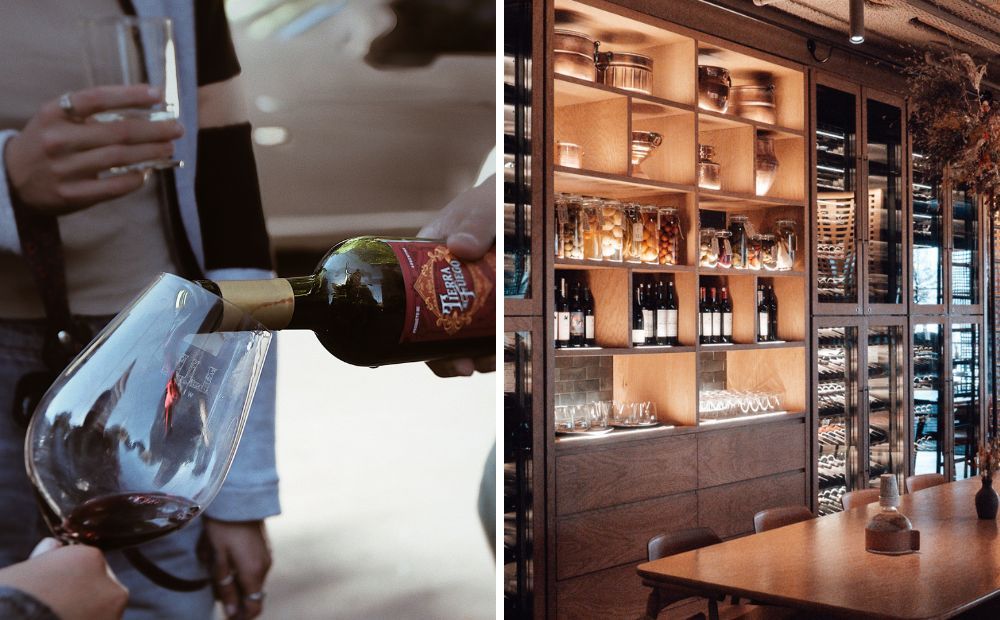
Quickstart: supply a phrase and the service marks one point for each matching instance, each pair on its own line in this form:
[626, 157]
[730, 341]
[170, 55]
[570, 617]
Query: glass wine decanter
[136, 435]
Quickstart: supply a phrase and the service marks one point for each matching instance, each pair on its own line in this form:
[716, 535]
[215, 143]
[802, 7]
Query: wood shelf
[569, 263]
[653, 350]
[582, 91]
[753, 346]
[619, 187]
[733, 120]
[734, 201]
[715, 271]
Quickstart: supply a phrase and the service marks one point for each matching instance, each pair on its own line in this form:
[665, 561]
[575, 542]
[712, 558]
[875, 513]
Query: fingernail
[155, 92]
[231, 610]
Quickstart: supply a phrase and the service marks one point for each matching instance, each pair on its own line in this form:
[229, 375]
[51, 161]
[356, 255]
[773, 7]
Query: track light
[857, 21]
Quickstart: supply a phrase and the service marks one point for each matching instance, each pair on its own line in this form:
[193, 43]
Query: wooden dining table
[821, 566]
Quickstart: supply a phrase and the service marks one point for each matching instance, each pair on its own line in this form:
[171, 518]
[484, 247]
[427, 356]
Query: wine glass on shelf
[136, 435]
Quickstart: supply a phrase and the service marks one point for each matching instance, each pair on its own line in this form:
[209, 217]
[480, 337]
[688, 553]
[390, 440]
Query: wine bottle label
[716, 324]
[445, 297]
[706, 323]
[270, 302]
[671, 323]
[589, 326]
[727, 324]
[564, 326]
[638, 336]
[576, 326]
[662, 331]
[762, 322]
[648, 324]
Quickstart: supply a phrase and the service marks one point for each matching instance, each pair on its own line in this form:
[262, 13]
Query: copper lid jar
[713, 88]
[627, 71]
[754, 101]
[573, 54]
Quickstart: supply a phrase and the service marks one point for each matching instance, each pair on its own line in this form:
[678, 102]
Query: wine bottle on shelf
[589, 319]
[661, 314]
[556, 302]
[763, 316]
[772, 314]
[638, 330]
[649, 314]
[671, 315]
[716, 317]
[704, 317]
[577, 329]
[563, 309]
[381, 300]
[726, 309]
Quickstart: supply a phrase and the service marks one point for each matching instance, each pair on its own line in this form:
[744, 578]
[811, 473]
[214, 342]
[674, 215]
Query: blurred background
[369, 117]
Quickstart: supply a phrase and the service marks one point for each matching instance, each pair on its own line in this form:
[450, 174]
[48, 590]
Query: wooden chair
[861, 497]
[923, 481]
[773, 518]
[664, 545]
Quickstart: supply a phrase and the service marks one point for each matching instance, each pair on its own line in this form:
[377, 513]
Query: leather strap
[159, 576]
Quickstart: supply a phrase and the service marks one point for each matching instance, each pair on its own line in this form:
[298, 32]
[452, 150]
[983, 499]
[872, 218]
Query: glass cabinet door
[517, 474]
[884, 203]
[836, 209]
[517, 150]
[965, 248]
[886, 360]
[929, 399]
[965, 396]
[928, 237]
[836, 403]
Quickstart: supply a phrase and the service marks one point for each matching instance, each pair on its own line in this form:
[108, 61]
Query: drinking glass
[126, 51]
[600, 414]
[648, 413]
[136, 435]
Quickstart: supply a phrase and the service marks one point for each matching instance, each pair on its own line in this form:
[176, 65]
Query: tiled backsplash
[584, 379]
[712, 370]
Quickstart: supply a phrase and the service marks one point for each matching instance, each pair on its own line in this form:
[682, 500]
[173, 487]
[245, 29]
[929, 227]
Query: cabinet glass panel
[517, 473]
[885, 203]
[517, 150]
[965, 377]
[836, 211]
[928, 237]
[965, 253]
[837, 404]
[886, 427]
[928, 399]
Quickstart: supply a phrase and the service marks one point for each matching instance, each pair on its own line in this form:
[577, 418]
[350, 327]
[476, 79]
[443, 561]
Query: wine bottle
[716, 316]
[556, 303]
[382, 300]
[772, 314]
[763, 316]
[671, 315]
[563, 310]
[705, 317]
[638, 330]
[589, 319]
[577, 334]
[649, 314]
[661, 314]
[726, 308]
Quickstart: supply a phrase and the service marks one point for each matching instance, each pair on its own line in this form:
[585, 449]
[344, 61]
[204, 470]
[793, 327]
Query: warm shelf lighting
[857, 21]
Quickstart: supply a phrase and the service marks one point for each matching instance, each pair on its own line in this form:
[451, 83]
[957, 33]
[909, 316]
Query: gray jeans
[21, 526]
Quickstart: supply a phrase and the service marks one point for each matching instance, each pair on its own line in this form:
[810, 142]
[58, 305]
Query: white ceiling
[370, 151]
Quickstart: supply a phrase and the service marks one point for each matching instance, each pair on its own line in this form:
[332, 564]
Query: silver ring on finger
[227, 580]
[255, 597]
[66, 105]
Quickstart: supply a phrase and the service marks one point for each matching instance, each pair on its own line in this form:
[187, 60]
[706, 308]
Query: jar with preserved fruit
[669, 236]
[590, 228]
[741, 230]
[708, 249]
[786, 244]
[725, 248]
[650, 250]
[754, 252]
[768, 256]
[569, 240]
[632, 246]
[612, 230]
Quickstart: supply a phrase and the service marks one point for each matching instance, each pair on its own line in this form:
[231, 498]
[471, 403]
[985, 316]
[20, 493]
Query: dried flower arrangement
[988, 457]
[956, 126]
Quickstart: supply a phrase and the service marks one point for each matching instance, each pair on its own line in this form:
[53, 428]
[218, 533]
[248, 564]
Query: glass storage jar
[569, 155]
[740, 229]
[754, 251]
[632, 246]
[768, 257]
[713, 88]
[669, 236]
[612, 230]
[569, 241]
[786, 244]
[573, 54]
[709, 172]
[722, 239]
[708, 248]
[590, 228]
[766, 164]
[627, 71]
[650, 249]
[754, 101]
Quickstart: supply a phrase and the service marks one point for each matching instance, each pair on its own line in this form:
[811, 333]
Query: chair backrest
[923, 481]
[781, 516]
[861, 497]
[664, 545]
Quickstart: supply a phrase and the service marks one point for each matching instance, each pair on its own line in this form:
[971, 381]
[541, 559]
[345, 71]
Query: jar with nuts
[612, 230]
[650, 250]
[708, 249]
[755, 250]
[590, 225]
[669, 233]
[632, 247]
[569, 237]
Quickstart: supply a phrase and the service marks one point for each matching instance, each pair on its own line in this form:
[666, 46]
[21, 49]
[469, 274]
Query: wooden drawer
[750, 452]
[629, 473]
[600, 539]
[729, 509]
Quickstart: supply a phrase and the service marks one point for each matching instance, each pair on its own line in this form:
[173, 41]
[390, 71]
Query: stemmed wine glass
[136, 435]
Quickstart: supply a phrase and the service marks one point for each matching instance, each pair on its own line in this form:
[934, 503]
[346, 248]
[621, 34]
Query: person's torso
[114, 249]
